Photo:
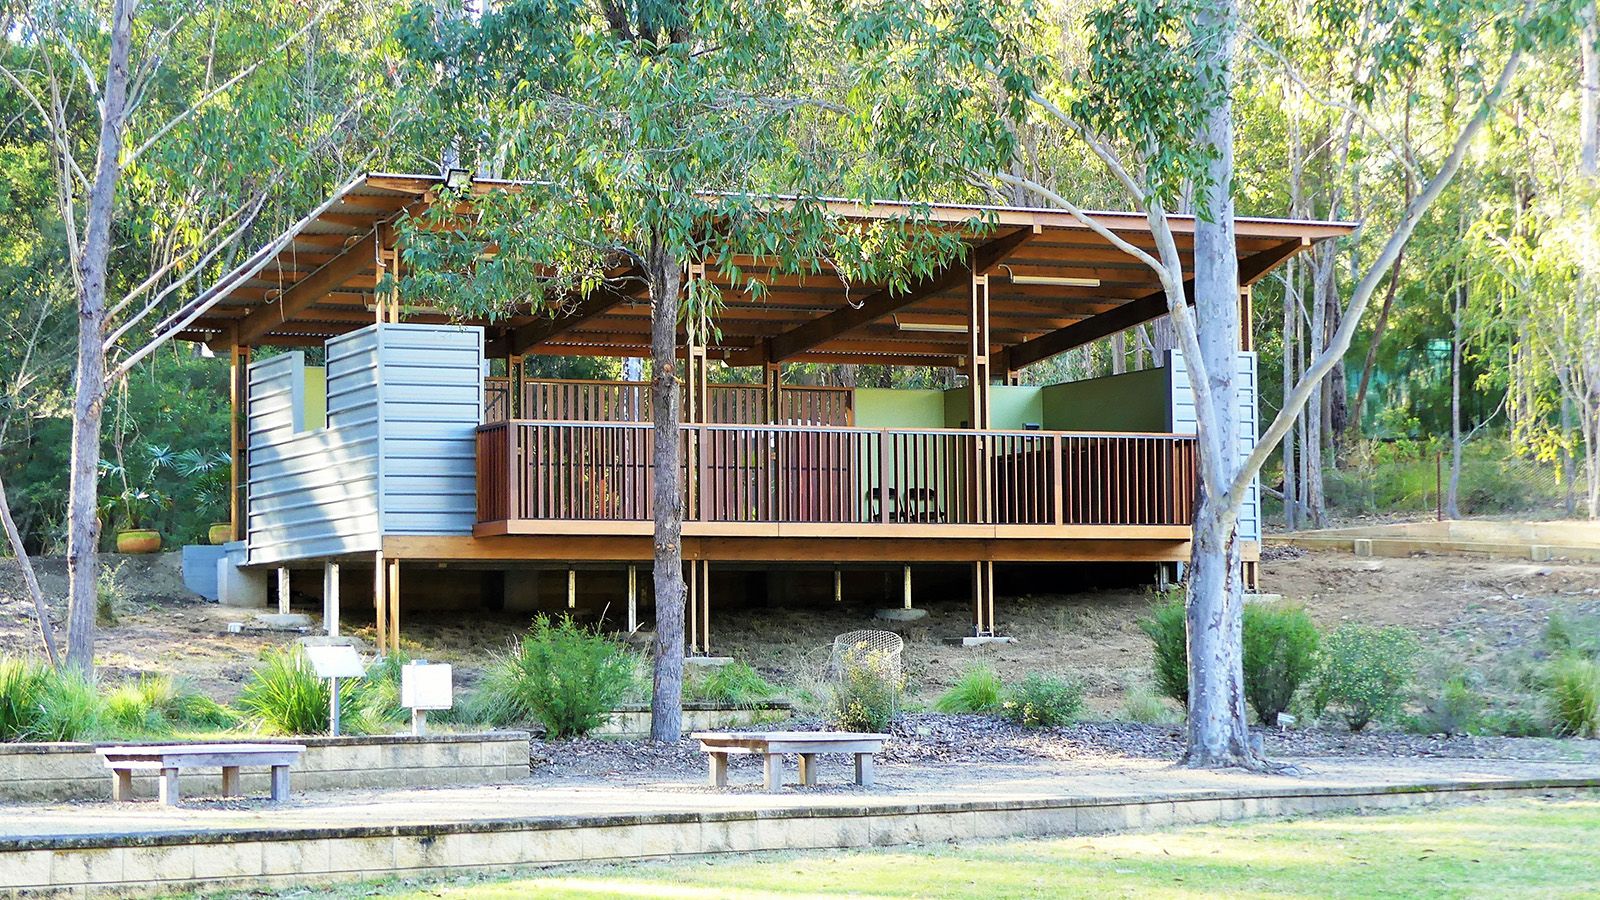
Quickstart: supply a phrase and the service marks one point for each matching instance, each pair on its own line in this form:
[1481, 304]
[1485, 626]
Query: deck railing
[603, 471]
[580, 400]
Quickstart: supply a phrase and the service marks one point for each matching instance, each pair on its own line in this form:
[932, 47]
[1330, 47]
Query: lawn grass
[1517, 847]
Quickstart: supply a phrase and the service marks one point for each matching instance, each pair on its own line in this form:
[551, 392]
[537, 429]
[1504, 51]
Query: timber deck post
[380, 600]
[238, 414]
[330, 597]
[394, 605]
[633, 599]
[283, 590]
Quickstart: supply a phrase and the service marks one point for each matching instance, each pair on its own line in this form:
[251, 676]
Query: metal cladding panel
[1184, 421]
[276, 398]
[315, 493]
[432, 388]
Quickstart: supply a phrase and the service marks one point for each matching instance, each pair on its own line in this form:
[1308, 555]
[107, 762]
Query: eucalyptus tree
[172, 125]
[653, 139]
[1149, 92]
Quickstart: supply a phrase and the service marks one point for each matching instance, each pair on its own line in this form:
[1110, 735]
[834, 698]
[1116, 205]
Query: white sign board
[336, 662]
[425, 686]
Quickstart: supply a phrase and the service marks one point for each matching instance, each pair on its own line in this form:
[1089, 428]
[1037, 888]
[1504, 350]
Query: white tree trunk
[1218, 732]
[83, 529]
[666, 695]
[30, 580]
[1589, 95]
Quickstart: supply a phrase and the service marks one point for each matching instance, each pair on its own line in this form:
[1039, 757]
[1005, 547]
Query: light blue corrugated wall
[1183, 422]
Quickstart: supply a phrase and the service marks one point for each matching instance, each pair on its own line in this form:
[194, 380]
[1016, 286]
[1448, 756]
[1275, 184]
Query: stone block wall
[43, 773]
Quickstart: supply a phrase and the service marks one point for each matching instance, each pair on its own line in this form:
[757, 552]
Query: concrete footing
[236, 585]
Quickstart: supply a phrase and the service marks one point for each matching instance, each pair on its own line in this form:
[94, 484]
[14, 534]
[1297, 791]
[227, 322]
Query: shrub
[868, 693]
[1456, 709]
[38, 703]
[1363, 672]
[159, 704]
[735, 684]
[1043, 700]
[1166, 629]
[978, 691]
[562, 675]
[284, 695]
[1574, 695]
[1280, 652]
[1513, 723]
[1139, 704]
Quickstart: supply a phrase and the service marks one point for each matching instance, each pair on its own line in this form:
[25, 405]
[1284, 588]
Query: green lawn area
[1520, 847]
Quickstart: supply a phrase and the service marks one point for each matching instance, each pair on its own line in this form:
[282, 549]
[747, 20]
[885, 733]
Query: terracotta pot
[221, 532]
[138, 541]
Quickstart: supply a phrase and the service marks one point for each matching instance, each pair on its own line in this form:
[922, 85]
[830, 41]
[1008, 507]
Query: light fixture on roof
[931, 327]
[457, 179]
[1056, 280]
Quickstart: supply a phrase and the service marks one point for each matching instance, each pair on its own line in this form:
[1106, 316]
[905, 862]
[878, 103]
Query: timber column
[238, 413]
[978, 374]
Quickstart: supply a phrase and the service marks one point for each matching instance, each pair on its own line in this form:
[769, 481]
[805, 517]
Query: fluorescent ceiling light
[1057, 280]
[931, 327]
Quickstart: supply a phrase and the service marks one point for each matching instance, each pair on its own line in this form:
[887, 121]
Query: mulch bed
[935, 739]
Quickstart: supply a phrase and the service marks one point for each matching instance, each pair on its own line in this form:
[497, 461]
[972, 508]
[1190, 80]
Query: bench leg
[167, 787]
[230, 781]
[773, 771]
[122, 785]
[280, 784]
[719, 769]
[864, 772]
[808, 769]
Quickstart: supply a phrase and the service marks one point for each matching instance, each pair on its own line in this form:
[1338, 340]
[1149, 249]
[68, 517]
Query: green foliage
[107, 594]
[1166, 628]
[867, 696]
[1574, 696]
[1140, 704]
[736, 684]
[1280, 653]
[155, 705]
[38, 703]
[1457, 708]
[1363, 673]
[978, 691]
[562, 675]
[285, 696]
[1044, 701]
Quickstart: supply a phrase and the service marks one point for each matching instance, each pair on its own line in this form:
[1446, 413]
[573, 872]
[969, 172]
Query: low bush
[562, 675]
[1166, 629]
[285, 696]
[1574, 696]
[1456, 708]
[160, 704]
[1280, 652]
[867, 695]
[978, 691]
[736, 684]
[1513, 723]
[1363, 672]
[38, 703]
[1140, 704]
[1043, 701]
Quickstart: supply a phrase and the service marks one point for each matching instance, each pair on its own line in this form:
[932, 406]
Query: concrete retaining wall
[171, 861]
[55, 772]
[633, 721]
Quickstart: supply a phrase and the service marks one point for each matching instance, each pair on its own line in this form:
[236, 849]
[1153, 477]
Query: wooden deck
[778, 481]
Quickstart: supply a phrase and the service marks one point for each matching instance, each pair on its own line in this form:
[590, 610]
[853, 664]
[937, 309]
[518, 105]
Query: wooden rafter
[595, 303]
[308, 290]
[886, 302]
[1137, 312]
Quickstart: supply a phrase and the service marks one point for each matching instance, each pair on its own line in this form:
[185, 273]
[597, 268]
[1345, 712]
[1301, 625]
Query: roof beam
[886, 302]
[308, 290]
[1136, 312]
[595, 303]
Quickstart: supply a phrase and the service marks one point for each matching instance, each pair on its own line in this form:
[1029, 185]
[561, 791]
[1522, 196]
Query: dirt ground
[1470, 610]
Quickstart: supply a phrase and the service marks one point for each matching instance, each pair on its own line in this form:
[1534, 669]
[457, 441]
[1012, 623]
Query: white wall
[1184, 422]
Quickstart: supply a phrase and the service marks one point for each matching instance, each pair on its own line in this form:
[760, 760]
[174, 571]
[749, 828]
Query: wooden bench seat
[772, 745]
[169, 760]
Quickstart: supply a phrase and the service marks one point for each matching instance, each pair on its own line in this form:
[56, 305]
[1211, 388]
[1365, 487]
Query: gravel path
[931, 739]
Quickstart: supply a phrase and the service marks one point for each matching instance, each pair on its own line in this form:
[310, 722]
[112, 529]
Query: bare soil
[1472, 611]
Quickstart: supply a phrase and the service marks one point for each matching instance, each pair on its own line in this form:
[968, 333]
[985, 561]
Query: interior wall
[1136, 401]
[314, 414]
[888, 408]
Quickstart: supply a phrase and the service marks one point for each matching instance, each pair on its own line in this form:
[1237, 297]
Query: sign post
[424, 686]
[334, 663]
